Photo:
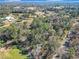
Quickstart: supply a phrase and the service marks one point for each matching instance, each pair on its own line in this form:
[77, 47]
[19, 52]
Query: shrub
[11, 54]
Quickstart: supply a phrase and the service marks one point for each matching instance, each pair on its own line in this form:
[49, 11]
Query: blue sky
[36, 0]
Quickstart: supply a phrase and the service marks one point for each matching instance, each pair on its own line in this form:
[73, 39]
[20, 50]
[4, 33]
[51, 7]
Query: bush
[11, 54]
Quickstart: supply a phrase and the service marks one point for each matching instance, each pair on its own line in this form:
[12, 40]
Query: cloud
[12, 0]
[34, 0]
[55, 0]
[29, 0]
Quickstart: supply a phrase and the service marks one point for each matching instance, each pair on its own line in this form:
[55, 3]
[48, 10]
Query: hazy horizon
[39, 0]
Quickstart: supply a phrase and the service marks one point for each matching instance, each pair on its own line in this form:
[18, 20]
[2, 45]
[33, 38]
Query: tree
[11, 54]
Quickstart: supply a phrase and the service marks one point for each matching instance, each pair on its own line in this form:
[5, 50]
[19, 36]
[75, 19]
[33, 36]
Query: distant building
[9, 19]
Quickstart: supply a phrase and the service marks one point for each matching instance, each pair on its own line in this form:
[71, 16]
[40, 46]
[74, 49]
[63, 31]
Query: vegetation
[11, 54]
[38, 32]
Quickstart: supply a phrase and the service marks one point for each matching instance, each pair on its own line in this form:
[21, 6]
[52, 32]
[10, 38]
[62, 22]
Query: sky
[35, 0]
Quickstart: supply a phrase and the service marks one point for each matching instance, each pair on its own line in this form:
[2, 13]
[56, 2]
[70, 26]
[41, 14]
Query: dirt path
[61, 49]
